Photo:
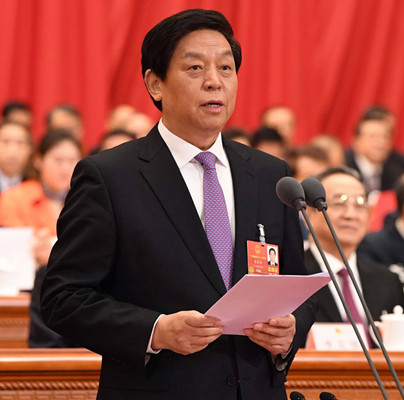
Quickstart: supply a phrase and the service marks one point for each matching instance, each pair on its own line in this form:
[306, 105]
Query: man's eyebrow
[195, 54]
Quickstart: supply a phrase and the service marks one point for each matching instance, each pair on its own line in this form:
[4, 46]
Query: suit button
[232, 380]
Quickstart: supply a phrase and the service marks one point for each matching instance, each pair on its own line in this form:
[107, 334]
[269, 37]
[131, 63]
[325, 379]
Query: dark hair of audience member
[11, 106]
[378, 118]
[23, 126]
[315, 153]
[158, 46]
[115, 133]
[52, 138]
[63, 107]
[266, 134]
[342, 169]
[238, 135]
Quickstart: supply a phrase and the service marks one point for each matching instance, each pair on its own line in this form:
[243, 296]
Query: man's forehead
[343, 184]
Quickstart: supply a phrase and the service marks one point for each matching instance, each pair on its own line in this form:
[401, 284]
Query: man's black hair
[160, 42]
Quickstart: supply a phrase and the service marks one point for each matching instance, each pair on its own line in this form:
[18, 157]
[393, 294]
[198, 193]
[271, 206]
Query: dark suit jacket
[393, 168]
[381, 289]
[131, 246]
[385, 246]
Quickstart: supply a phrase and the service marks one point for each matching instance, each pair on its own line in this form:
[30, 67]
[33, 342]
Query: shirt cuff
[149, 349]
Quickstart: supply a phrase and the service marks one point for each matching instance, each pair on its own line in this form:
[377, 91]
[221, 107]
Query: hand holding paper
[258, 298]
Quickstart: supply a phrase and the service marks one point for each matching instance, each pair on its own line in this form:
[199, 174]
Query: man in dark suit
[387, 245]
[349, 213]
[372, 155]
[134, 271]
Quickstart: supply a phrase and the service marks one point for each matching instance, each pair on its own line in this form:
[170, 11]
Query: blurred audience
[37, 204]
[238, 135]
[114, 138]
[17, 111]
[372, 154]
[119, 117]
[269, 141]
[15, 152]
[332, 146]
[387, 245]
[349, 213]
[65, 116]
[140, 124]
[307, 161]
[283, 119]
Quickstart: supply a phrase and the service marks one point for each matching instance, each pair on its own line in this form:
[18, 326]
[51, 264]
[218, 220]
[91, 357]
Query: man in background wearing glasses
[349, 214]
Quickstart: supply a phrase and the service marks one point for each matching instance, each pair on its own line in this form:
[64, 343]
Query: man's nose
[212, 79]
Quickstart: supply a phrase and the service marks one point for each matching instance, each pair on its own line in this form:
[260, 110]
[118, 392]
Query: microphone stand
[301, 206]
[358, 291]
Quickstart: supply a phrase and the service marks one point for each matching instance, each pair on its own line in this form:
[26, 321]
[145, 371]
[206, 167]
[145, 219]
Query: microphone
[296, 396]
[314, 193]
[315, 197]
[327, 396]
[290, 194]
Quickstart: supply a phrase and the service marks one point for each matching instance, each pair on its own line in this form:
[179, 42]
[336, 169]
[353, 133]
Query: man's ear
[153, 84]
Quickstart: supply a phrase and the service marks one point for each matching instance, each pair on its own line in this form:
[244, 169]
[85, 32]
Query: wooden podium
[73, 374]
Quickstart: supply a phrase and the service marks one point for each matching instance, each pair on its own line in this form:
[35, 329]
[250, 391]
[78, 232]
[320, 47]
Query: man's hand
[276, 336]
[185, 332]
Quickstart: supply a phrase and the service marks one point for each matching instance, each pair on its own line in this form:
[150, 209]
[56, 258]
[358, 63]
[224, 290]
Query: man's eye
[226, 67]
[195, 67]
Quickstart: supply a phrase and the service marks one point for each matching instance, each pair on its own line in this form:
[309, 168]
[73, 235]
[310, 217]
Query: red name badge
[262, 258]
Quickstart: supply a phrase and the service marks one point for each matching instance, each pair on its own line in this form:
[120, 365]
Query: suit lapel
[245, 200]
[163, 176]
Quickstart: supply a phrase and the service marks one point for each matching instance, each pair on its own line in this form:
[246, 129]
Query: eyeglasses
[342, 201]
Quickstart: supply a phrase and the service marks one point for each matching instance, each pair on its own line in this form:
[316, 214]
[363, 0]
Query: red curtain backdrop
[327, 60]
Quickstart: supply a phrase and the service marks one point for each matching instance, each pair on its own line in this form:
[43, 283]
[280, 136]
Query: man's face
[374, 141]
[347, 209]
[272, 256]
[15, 149]
[283, 120]
[199, 92]
[62, 119]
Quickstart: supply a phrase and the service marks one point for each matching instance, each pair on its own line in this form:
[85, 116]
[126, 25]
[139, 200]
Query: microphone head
[327, 396]
[296, 396]
[290, 192]
[315, 193]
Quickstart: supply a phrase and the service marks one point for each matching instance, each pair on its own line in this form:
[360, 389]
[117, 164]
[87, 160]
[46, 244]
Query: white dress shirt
[337, 265]
[192, 171]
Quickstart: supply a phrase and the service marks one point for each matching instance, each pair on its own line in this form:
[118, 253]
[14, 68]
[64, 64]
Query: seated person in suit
[372, 154]
[145, 248]
[387, 245]
[349, 213]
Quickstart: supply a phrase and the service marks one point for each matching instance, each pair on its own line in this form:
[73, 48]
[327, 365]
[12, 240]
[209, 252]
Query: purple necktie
[347, 292]
[217, 224]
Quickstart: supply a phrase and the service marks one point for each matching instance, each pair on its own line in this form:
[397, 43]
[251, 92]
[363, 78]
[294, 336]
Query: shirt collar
[367, 168]
[6, 181]
[184, 152]
[335, 264]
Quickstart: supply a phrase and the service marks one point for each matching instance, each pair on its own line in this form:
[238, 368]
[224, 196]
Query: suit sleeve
[74, 299]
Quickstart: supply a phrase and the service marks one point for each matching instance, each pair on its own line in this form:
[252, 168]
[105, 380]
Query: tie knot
[343, 273]
[206, 159]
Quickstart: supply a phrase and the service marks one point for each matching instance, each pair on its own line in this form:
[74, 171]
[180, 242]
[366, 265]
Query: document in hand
[257, 298]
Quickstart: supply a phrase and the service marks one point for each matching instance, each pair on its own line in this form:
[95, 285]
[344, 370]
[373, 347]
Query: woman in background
[37, 203]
